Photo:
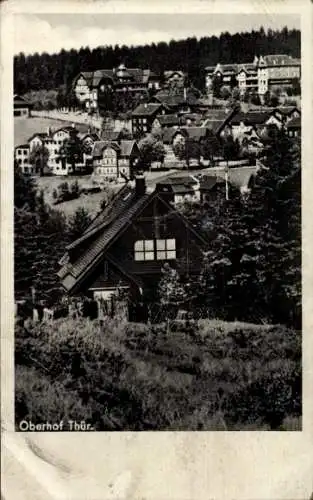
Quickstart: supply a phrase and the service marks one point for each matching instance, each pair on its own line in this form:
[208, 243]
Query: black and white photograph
[157, 222]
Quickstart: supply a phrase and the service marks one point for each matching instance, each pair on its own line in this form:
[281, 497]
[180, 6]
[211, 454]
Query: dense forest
[45, 71]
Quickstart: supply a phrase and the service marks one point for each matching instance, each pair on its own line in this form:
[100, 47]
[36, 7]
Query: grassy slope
[90, 202]
[223, 376]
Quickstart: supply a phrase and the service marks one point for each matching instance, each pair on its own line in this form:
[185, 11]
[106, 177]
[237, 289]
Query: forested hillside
[44, 71]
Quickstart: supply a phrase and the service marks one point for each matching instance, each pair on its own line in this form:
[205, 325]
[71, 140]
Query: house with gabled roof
[293, 127]
[89, 85]
[166, 121]
[114, 160]
[144, 115]
[177, 189]
[174, 78]
[22, 108]
[127, 245]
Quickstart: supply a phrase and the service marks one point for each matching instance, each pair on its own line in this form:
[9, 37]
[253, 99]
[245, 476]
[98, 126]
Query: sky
[52, 32]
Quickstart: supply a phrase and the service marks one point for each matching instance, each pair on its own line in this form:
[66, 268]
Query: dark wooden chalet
[144, 115]
[22, 108]
[127, 244]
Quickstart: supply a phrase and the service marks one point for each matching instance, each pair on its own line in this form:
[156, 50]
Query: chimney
[145, 105]
[140, 185]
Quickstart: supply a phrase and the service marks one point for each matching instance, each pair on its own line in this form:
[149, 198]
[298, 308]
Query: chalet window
[160, 249]
[144, 250]
[166, 249]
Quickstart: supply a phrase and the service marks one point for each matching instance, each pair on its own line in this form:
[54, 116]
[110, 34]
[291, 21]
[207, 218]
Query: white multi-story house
[53, 142]
[263, 74]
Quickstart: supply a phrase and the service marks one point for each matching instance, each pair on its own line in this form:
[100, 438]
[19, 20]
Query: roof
[179, 185]
[280, 60]
[195, 117]
[177, 99]
[249, 68]
[287, 110]
[177, 180]
[169, 73]
[146, 109]
[42, 136]
[168, 119]
[22, 146]
[214, 125]
[226, 68]
[196, 133]
[208, 182]
[110, 135]
[251, 117]
[168, 134]
[84, 135]
[106, 236]
[294, 123]
[99, 146]
[93, 78]
[126, 147]
[21, 101]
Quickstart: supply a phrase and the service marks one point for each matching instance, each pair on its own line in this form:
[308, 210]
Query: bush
[66, 192]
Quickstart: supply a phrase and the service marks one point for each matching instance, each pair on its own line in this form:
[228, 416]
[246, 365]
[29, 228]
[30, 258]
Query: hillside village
[180, 142]
[188, 263]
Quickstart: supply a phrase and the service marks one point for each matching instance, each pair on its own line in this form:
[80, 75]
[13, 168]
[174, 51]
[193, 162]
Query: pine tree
[72, 150]
[39, 157]
[171, 291]
[78, 223]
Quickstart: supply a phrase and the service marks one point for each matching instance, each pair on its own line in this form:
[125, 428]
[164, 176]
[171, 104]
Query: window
[144, 250]
[159, 249]
[166, 249]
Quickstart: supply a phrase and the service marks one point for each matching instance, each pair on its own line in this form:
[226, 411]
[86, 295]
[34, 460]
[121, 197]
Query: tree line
[192, 55]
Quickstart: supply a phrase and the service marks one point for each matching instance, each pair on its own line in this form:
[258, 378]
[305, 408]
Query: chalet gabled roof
[106, 237]
[99, 146]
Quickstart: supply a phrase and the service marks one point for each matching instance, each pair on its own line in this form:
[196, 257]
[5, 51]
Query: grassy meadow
[127, 376]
